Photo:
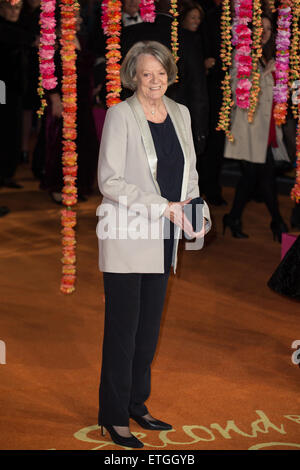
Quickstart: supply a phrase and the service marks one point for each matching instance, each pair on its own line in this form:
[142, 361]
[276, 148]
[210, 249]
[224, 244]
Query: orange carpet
[223, 374]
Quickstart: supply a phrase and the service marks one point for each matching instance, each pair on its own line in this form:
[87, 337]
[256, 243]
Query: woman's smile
[151, 77]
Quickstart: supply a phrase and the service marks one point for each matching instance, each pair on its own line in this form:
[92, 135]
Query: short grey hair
[154, 48]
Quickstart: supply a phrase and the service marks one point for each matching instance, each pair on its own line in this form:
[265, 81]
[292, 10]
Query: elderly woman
[146, 166]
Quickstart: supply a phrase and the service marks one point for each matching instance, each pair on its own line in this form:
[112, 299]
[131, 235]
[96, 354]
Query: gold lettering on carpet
[200, 433]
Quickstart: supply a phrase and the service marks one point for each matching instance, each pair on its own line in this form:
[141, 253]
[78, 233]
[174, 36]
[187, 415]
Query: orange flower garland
[256, 55]
[225, 54]
[174, 29]
[272, 5]
[69, 158]
[295, 193]
[294, 51]
[111, 24]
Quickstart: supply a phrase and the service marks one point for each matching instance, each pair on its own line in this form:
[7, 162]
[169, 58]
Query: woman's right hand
[174, 212]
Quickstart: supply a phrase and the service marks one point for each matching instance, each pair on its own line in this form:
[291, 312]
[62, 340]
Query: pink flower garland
[111, 24]
[47, 79]
[282, 61]
[147, 10]
[234, 39]
[243, 57]
[47, 43]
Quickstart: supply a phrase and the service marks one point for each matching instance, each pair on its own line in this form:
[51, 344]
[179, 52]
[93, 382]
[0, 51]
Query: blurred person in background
[29, 21]
[212, 160]
[14, 49]
[87, 144]
[131, 12]
[256, 145]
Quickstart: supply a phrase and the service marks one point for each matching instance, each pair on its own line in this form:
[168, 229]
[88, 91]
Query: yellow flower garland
[256, 55]
[294, 51]
[174, 29]
[225, 54]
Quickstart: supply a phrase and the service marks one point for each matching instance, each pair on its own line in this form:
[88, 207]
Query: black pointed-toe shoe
[155, 425]
[132, 441]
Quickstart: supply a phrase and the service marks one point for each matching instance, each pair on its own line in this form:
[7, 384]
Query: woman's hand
[209, 63]
[57, 107]
[174, 212]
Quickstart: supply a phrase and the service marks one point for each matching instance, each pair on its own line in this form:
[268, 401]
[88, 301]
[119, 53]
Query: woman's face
[267, 30]
[11, 12]
[131, 7]
[192, 20]
[151, 77]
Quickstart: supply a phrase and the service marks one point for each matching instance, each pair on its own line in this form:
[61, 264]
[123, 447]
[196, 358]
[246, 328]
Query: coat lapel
[140, 117]
[180, 128]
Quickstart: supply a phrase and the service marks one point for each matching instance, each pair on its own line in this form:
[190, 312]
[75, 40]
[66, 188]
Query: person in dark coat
[87, 143]
[211, 162]
[192, 86]
[190, 89]
[14, 46]
[29, 21]
[286, 278]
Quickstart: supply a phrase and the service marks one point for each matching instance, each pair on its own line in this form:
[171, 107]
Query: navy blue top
[170, 163]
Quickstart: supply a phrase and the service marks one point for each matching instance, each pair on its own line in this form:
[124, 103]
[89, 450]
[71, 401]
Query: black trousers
[261, 175]
[133, 308]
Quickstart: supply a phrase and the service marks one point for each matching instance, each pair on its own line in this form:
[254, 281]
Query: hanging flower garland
[147, 10]
[272, 6]
[243, 57]
[294, 52]
[69, 159]
[295, 193]
[225, 55]
[47, 79]
[282, 62]
[234, 39]
[256, 55]
[294, 57]
[174, 30]
[111, 24]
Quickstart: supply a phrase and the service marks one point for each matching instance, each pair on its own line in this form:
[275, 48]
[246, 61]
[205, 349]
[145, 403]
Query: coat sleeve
[112, 165]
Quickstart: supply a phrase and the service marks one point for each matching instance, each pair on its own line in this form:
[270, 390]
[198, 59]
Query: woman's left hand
[203, 231]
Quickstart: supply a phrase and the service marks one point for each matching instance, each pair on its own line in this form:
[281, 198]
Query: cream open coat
[127, 168]
[251, 139]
